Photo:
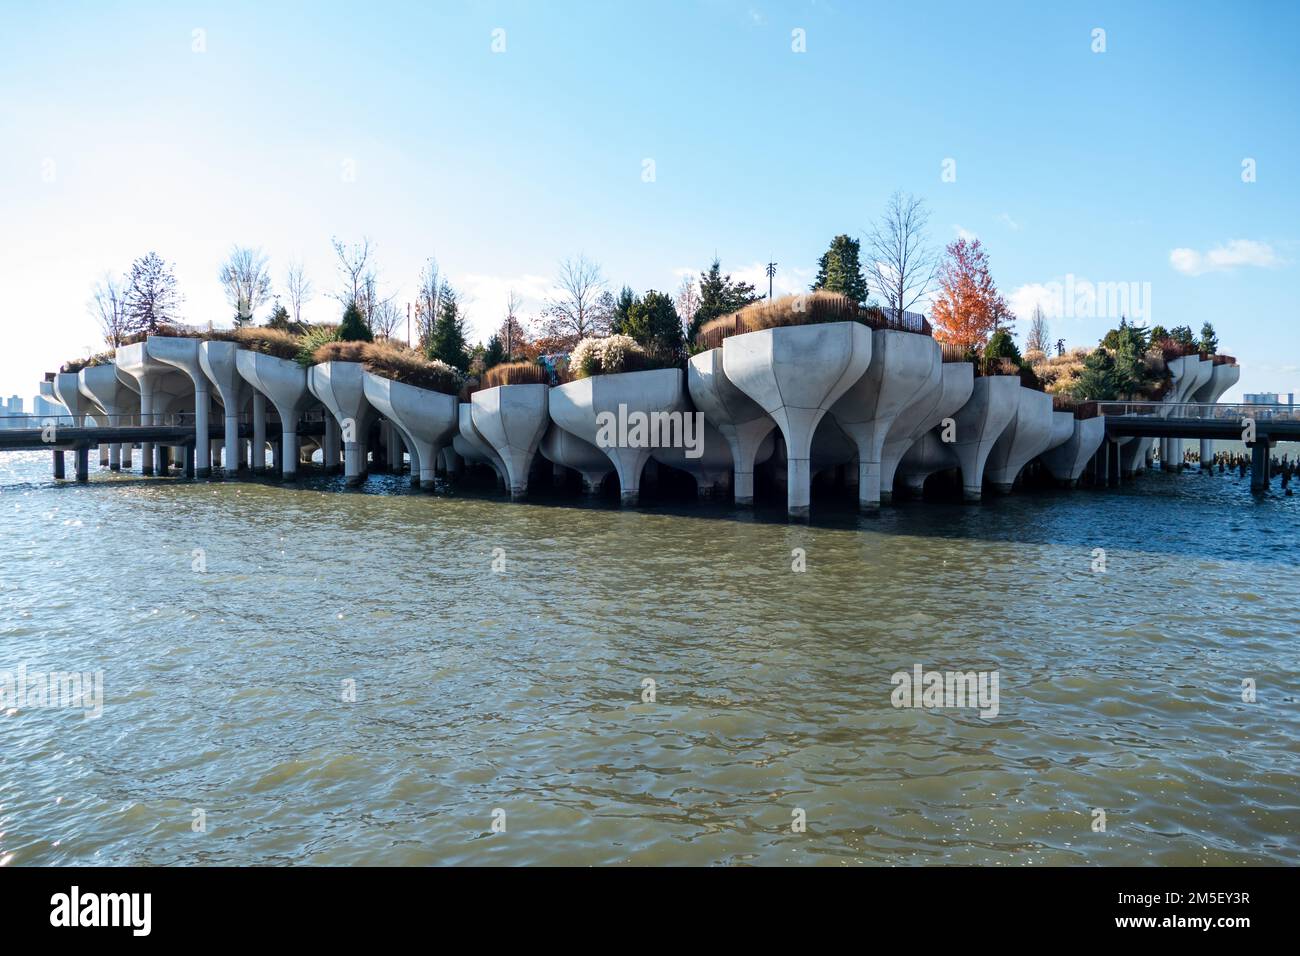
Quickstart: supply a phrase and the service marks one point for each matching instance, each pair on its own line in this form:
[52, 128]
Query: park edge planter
[513, 419]
[587, 407]
[905, 370]
[740, 420]
[428, 420]
[795, 374]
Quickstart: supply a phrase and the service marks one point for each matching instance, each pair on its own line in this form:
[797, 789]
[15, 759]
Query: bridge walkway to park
[1260, 427]
[63, 433]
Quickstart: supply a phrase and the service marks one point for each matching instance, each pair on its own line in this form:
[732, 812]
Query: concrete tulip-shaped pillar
[469, 444]
[427, 420]
[258, 450]
[795, 374]
[1222, 378]
[1187, 377]
[183, 354]
[217, 359]
[1068, 459]
[567, 450]
[47, 392]
[928, 454]
[1133, 456]
[956, 381]
[582, 406]
[285, 383]
[906, 368]
[102, 385]
[341, 388]
[993, 404]
[1062, 430]
[738, 418]
[173, 394]
[67, 389]
[1027, 436]
[132, 360]
[711, 463]
[513, 419]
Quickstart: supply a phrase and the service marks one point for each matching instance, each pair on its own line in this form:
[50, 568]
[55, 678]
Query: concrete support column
[104, 456]
[289, 450]
[59, 472]
[333, 443]
[798, 472]
[234, 447]
[277, 456]
[127, 450]
[1207, 454]
[868, 485]
[354, 462]
[1112, 463]
[83, 464]
[146, 418]
[259, 433]
[115, 457]
[202, 443]
[744, 487]
[189, 461]
[1259, 465]
[418, 467]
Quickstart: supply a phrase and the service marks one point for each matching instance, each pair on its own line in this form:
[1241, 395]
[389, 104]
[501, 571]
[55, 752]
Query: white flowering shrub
[597, 356]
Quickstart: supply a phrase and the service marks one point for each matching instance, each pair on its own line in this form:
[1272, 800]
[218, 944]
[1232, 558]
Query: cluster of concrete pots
[879, 405]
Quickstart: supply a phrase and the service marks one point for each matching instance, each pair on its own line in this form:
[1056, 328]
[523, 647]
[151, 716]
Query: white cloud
[1023, 299]
[1010, 223]
[485, 298]
[1234, 254]
[964, 233]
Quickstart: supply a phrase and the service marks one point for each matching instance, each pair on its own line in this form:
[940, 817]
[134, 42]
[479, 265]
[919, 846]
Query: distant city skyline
[503, 138]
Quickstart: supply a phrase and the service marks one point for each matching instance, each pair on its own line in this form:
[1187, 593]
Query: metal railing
[173, 419]
[1208, 411]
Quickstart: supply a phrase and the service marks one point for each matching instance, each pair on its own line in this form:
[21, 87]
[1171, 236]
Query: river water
[502, 712]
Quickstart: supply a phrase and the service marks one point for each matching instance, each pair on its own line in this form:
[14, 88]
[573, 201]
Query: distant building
[42, 407]
[13, 406]
[1268, 398]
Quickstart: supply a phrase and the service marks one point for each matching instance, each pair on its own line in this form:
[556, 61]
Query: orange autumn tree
[969, 308]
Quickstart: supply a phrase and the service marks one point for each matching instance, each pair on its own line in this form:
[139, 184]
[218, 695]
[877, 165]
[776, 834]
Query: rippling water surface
[521, 691]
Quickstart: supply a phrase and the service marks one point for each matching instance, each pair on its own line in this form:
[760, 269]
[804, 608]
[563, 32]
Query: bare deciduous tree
[900, 260]
[581, 309]
[384, 317]
[352, 267]
[427, 301]
[108, 306]
[1037, 337]
[247, 282]
[688, 301]
[512, 332]
[299, 288]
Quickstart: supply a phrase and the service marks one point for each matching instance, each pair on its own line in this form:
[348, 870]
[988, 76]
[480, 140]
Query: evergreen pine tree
[354, 328]
[622, 306]
[840, 270]
[1209, 341]
[494, 354]
[447, 341]
[1097, 380]
[719, 296]
[653, 321]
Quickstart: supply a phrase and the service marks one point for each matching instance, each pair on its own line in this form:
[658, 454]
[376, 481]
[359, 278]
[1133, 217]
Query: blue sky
[297, 122]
